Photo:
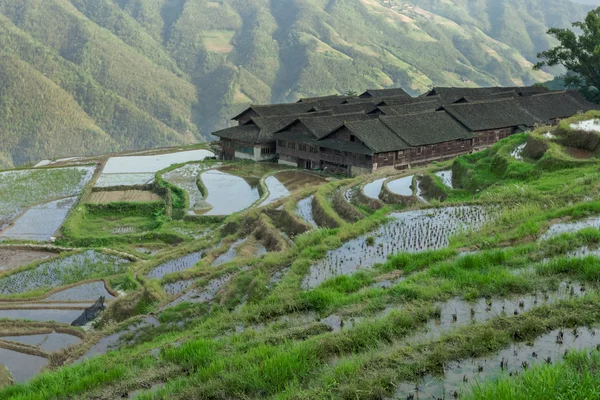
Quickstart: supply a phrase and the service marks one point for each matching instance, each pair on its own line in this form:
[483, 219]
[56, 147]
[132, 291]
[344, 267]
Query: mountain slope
[159, 72]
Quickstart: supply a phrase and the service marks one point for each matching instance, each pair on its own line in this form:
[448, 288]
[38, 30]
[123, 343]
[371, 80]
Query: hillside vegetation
[141, 73]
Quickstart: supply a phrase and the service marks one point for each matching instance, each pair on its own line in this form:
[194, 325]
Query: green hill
[148, 73]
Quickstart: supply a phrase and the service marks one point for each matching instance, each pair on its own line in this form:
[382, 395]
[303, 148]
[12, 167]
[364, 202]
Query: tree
[351, 93]
[579, 54]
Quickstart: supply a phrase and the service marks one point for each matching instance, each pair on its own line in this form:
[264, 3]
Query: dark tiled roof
[411, 108]
[376, 135]
[499, 95]
[341, 145]
[321, 127]
[579, 97]
[362, 107]
[451, 94]
[243, 133]
[548, 106]
[379, 93]
[426, 128]
[327, 100]
[277, 110]
[486, 115]
[270, 125]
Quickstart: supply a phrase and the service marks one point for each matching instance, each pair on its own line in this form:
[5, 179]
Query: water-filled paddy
[202, 295]
[186, 178]
[109, 180]
[63, 271]
[277, 190]
[174, 288]
[40, 222]
[411, 231]
[152, 163]
[234, 250]
[25, 188]
[446, 177]
[176, 265]
[373, 189]
[228, 193]
[304, 210]
[591, 125]
[22, 366]
[42, 315]
[123, 196]
[87, 291]
[571, 227]
[402, 186]
[47, 341]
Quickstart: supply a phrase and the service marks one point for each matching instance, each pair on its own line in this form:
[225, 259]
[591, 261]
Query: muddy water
[87, 291]
[411, 231]
[55, 272]
[228, 193]
[579, 153]
[277, 190]
[49, 342]
[304, 210]
[23, 367]
[373, 189]
[591, 125]
[419, 193]
[177, 287]
[63, 316]
[571, 227]
[177, 265]
[446, 177]
[40, 222]
[402, 186]
[460, 375]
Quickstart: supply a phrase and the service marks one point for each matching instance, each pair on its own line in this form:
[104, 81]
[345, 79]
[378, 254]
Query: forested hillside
[91, 76]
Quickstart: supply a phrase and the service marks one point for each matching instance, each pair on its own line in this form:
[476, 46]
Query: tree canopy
[578, 53]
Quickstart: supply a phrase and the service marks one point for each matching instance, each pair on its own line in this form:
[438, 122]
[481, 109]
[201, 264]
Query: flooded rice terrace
[186, 178]
[373, 189]
[87, 291]
[202, 295]
[176, 265]
[228, 193]
[410, 231]
[571, 227]
[26, 188]
[446, 177]
[402, 186]
[11, 258]
[42, 315]
[62, 271]
[40, 222]
[277, 190]
[304, 210]
[49, 342]
[140, 170]
[232, 253]
[22, 366]
[590, 125]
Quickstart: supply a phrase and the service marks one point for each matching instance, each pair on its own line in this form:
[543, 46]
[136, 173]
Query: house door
[307, 164]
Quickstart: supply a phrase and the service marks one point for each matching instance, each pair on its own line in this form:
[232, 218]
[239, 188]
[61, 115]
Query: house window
[291, 145]
[302, 147]
[419, 149]
[352, 138]
[282, 143]
[266, 150]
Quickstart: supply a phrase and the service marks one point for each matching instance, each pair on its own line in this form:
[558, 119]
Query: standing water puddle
[277, 190]
[373, 189]
[571, 227]
[402, 186]
[304, 210]
[177, 265]
[40, 222]
[87, 291]
[446, 177]
[49, 342]
[228, 193]
[411, 231]
[22, 366]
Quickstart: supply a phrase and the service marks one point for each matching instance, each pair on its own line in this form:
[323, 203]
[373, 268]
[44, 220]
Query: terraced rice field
[402, 186]
[228, 193]
[186, 178]
[63, 271]
[140, 170]
[304, 210]
[123, 196]
[11, 258]
[22, 189]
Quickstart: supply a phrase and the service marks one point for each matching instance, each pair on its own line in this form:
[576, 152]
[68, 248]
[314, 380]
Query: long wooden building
[388, 129]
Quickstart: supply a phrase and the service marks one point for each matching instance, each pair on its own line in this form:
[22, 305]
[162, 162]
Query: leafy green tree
[351, 93]
[579, 54]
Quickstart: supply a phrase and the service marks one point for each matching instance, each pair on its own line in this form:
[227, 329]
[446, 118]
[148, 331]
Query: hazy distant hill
[89, 76]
